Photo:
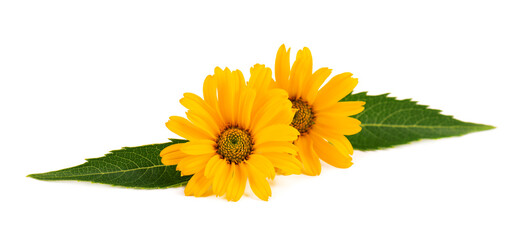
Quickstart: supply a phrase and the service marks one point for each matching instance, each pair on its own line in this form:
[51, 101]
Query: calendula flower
[321, 119]
[235, 134]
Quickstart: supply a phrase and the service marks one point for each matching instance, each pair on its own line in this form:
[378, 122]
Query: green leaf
[134, 167]
[387, 122]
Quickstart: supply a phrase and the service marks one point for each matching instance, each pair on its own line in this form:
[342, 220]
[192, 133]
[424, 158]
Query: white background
[81, 78]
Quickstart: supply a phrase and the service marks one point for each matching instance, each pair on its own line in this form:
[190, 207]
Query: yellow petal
[191, 185]
[236, 184]
[212, 165]
[199, 107]
[311, 163]
[282, 67]
[276, 133]
[186, 129]
[226, 92]
[301, 71]
[239, 86]
[288, 163]
[204, 123]
[172, 155]
[278, 147]
[258, 183]
[242, 184]
[233, 184]
[198, 147]
[264, 101]
[330, 154]
[343, 109]
[173, 159]
[239, 81]
[325, 132]
[337, 88]
[339, 124]
[221, 178]
[285, 116]
[193, 164]
[209, 92]
[229, 88]
[198, 185]
[170, 149]
[269, 112]
[346, 143]
[263, 164]
[246, 107]
[317, 79]
[260, 78]
[264, 98]
[342, 144]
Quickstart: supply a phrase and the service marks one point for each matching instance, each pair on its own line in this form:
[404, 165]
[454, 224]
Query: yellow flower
[320, 118]
[235, 134]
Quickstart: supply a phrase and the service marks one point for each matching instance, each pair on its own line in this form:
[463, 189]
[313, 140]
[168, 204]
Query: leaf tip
[484, 127]
[33, 175]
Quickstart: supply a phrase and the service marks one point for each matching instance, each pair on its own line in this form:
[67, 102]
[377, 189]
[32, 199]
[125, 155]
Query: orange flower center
[304, 117]
[234, 144]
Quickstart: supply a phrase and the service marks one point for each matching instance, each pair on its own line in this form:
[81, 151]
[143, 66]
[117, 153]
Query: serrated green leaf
[134, 167]
[387, 122]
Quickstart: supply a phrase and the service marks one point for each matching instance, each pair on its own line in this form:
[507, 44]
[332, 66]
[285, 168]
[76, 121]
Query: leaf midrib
[113, 172]
[416, 126]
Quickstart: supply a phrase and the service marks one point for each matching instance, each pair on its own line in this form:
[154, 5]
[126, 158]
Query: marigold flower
[235, 134]
[320, 118]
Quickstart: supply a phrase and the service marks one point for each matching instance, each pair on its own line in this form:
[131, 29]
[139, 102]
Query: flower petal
[171, 155]
[337, 88]
[198, 147]
[342, 144]
[260, 78]
[270, 111]
[317, 79]
[263, 164]
[221, 178]
[339, 124]
[237, 184]
[300, 72]
[186, 129]
[212, 165]
[199, 107]
[330, 154]
[343, 109]
[209, 92]
[243, 179]
[226, 92]
[266, 101]
[171, 149]
[204, 123]
[282, 67]
[258, 183]
[198, 185]
[193, 164]
[276, 147]
[246, 107]
[311, 163]
[325, 132]
[288, 163]
[273, 133]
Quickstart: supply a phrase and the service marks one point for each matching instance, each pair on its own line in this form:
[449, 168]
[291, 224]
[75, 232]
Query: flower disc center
[304, 117]
[234, 145]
